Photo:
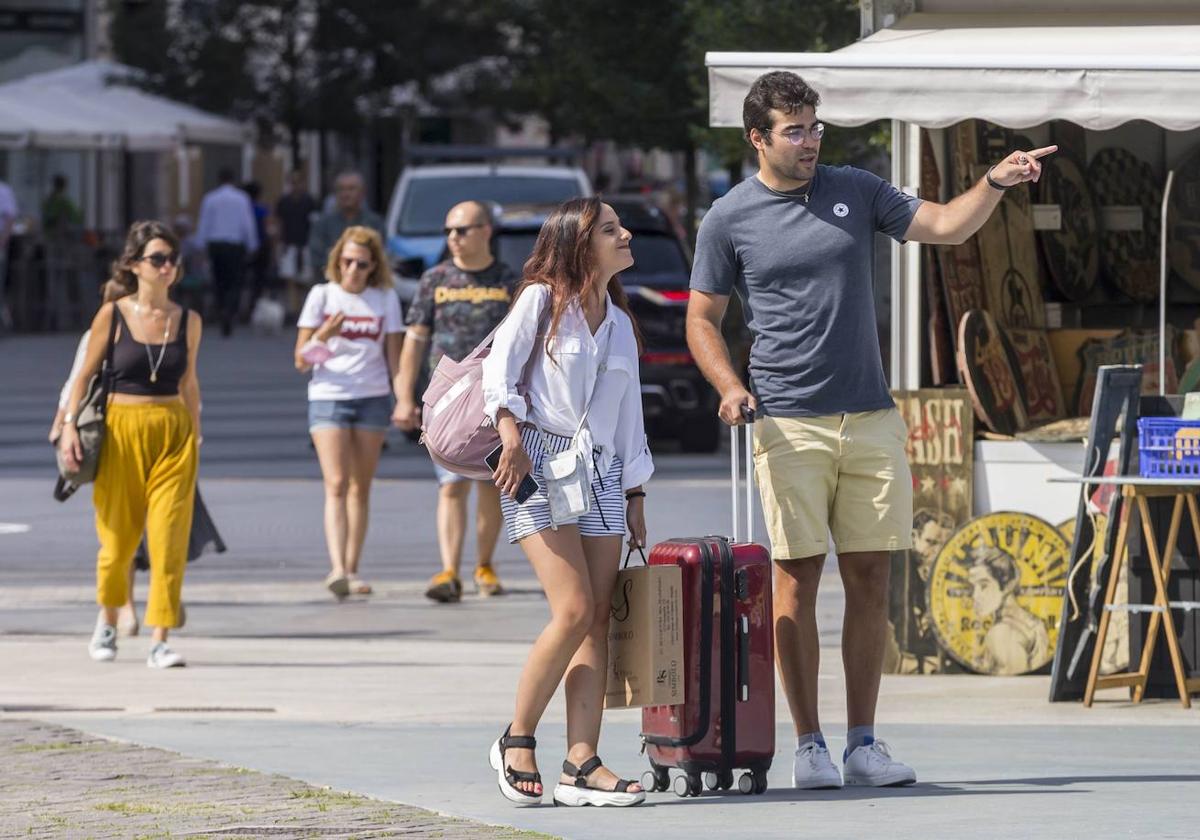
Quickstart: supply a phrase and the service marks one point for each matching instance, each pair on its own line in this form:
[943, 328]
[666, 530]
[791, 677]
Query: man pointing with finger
[796, 243]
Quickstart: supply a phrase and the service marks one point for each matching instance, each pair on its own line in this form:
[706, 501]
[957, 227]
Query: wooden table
[1137, 490]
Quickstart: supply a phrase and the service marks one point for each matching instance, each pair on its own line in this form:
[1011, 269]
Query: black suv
[677, 402]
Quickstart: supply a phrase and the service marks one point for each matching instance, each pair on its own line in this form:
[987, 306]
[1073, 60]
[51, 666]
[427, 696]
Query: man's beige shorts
[842, 473]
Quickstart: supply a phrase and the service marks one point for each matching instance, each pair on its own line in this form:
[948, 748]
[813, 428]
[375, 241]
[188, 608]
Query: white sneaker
[103, 646]
[813, 768]
[162, 656]
[872, 765]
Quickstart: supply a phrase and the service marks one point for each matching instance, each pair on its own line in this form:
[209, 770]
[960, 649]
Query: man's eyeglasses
[796, 136]
[159, 259]
[349, 263]
[461, 230]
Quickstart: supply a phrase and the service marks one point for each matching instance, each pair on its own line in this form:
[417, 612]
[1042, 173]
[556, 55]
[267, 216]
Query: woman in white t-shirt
[350, 331]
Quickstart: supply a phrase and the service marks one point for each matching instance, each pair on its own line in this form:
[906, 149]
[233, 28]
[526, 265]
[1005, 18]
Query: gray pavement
[109, 789]
[397, 699]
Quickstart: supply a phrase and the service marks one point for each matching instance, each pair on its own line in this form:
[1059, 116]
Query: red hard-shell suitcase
[727, 721]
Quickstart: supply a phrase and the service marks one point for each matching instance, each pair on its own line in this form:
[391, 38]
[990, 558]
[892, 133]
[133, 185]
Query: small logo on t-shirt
[841, 210]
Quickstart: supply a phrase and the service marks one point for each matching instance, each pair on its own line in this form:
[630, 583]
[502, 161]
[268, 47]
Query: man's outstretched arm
[957, 220]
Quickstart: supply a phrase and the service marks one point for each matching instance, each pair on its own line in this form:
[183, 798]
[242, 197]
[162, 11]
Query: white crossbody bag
[568, 483]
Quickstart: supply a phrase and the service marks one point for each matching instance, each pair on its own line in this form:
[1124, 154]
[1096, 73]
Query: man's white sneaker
[813, 768]
[162, 656]
[103, 646]
[872, 765]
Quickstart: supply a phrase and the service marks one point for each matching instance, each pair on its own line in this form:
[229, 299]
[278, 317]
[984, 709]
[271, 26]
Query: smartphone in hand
[528, 485]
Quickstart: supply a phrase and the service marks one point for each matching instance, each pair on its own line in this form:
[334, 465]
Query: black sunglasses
[461, 230]
[349, 263]
[159, 259]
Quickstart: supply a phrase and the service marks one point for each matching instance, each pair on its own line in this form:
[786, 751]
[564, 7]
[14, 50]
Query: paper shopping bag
[645, 639]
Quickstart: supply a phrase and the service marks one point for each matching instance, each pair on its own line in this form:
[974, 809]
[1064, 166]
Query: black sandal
[581, 793]
[508, 778]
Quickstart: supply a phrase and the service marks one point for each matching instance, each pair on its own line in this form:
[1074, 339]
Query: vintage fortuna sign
[996, 590]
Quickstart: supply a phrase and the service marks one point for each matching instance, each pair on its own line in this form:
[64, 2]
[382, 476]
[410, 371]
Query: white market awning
[1095, 69]
[80, 107]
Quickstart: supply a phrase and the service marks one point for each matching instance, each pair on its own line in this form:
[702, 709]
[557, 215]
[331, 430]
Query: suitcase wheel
[718, 781]
[656, 780]
[760, 781]
[746, 784]
[686, 786]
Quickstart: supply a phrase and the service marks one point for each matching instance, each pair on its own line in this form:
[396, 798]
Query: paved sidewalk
[61, 783]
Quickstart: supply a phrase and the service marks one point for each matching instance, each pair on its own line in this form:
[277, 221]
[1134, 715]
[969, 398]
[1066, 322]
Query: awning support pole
[1162, 289]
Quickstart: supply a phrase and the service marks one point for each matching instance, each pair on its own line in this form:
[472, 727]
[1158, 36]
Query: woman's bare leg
[558, 560]
[587, 674]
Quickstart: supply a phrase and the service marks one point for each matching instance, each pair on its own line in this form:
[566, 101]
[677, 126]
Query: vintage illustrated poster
[940, 455]
[1043, 393]
[995, 593]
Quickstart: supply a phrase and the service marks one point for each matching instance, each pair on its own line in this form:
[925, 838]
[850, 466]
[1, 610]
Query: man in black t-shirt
[458, 303]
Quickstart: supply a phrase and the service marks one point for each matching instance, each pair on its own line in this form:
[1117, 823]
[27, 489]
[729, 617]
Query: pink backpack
[455, 431]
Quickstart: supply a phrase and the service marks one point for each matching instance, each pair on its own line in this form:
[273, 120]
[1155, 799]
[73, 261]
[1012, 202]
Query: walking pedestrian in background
[349, 337]
[295, 210]
[349, 210]
[228, 231]
[457, 304]
[146, 478]
[571, 343]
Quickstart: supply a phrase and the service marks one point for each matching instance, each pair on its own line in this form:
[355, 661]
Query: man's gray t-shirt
[804, 274]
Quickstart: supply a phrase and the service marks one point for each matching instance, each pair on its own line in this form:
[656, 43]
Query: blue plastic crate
[1169, 447]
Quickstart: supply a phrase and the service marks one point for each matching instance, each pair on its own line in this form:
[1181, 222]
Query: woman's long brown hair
[562, 260]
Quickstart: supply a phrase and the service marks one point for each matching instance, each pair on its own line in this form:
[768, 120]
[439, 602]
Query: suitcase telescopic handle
[735, 473]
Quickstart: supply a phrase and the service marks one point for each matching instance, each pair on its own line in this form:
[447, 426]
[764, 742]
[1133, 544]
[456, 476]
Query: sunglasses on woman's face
[159, 259]
[349, 263]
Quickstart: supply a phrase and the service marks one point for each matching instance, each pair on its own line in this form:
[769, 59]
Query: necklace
[154, 365]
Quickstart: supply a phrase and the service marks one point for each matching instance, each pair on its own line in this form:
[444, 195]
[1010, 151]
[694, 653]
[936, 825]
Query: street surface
[398, 699]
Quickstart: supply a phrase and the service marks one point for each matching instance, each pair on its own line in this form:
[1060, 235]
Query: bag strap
[600, 369]
[106, 367]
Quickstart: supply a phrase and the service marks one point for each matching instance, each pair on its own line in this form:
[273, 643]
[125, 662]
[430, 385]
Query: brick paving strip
[61, 783]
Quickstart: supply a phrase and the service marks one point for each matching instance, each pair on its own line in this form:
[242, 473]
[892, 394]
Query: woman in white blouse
[571, 343]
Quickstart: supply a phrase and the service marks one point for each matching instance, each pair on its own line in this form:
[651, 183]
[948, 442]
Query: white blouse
[558, 387]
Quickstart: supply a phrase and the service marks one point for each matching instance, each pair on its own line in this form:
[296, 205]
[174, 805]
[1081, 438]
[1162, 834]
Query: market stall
[1066, 276]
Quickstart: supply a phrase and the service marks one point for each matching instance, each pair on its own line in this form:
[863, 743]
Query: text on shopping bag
[645, 639]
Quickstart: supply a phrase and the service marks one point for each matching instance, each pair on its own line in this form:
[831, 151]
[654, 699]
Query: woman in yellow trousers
[146, 477]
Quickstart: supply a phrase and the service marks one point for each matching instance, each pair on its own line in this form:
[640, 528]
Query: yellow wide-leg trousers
[146, 481]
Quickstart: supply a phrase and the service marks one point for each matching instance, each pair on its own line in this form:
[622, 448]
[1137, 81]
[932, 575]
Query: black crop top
[131, 362]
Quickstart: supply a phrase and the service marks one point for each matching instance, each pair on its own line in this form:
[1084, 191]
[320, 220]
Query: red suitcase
[727, 721]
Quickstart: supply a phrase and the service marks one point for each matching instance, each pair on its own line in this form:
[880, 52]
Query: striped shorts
[607, 516]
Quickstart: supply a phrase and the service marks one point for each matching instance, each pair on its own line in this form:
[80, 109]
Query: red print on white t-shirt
[361, 327]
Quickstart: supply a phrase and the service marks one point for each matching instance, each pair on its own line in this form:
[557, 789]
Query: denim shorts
[444, 476]
[371, 414]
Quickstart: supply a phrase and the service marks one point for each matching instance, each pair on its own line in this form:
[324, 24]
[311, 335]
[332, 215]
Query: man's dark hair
[60, 182]
[224, 175]
[780, 89]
